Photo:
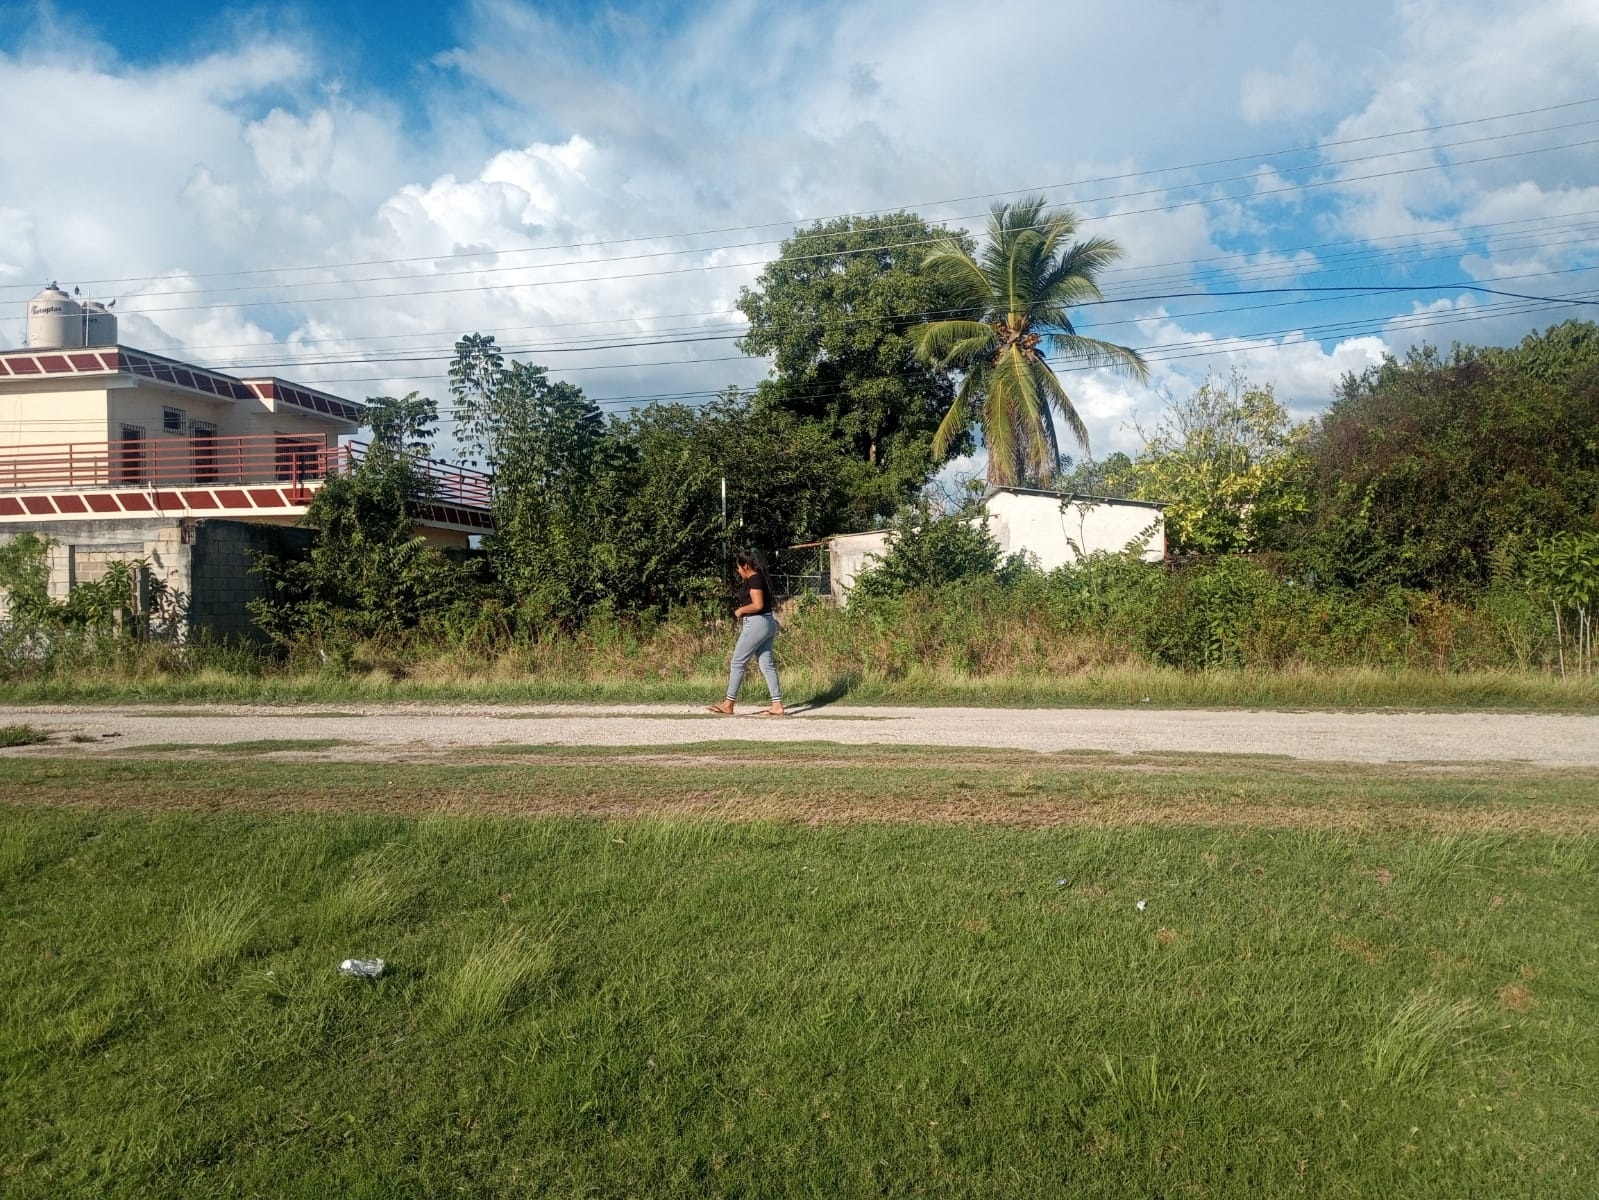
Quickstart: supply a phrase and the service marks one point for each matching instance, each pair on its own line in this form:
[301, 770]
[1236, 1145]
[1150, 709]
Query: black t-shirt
[756, 582]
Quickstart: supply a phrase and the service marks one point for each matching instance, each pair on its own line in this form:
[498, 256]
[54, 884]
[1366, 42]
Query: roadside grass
[1108, 686]
[665, 1006]
[245, 749]
[22, 735]
[817, 782]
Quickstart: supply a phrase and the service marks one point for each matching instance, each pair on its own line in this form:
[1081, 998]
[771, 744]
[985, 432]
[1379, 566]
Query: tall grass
[494, 979]
[1416, 1037]
[1108, 632]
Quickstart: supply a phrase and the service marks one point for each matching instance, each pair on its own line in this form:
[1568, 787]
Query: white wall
[1043, 526]
[1046, 526]
[849, 554]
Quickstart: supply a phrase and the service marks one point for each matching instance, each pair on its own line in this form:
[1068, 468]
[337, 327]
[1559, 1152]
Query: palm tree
[1014, 314]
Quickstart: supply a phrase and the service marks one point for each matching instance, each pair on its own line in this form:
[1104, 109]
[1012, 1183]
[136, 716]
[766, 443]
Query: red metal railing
[445, 481]
[203, 460]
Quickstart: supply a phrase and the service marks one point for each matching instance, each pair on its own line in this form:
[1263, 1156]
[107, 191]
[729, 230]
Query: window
[172, 420]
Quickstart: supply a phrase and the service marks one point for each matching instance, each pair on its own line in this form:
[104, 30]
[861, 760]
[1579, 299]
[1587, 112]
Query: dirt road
[403, 731]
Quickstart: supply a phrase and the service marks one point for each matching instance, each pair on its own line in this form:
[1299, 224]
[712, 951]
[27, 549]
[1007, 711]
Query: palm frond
[1097, 353]
[1022, 409]
[949, 263]
[946, 343]
[959, 417]
[1056, 391]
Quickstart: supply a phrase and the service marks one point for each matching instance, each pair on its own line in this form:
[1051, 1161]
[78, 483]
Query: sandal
[769, 712]
[724, 709]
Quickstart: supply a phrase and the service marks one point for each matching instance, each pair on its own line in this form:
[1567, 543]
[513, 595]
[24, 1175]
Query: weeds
[1419, 1033]
[213, 933]
[494, 980]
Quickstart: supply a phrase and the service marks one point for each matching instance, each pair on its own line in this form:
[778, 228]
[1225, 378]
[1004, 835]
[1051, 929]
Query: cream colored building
[115, 453]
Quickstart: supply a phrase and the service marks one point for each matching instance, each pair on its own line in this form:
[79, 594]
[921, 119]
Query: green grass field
[818, 972]
[1114, 686]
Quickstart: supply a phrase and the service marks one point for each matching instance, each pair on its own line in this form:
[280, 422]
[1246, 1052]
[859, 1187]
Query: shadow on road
[837, 688]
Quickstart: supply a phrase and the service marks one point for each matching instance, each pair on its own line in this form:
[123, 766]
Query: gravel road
[403, 731]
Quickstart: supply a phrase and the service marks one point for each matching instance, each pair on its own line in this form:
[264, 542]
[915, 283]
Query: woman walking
[756, 632]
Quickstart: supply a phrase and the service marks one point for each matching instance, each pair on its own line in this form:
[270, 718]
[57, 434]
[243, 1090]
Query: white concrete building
[1056, 528]
[1051, 528]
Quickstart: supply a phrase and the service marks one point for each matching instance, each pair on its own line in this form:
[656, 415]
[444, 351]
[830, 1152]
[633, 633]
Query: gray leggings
[755, 637]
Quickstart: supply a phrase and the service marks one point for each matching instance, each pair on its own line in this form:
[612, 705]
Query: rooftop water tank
[55, 320]
[100, 325]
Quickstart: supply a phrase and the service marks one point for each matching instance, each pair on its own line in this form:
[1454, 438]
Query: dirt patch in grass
[975, 788]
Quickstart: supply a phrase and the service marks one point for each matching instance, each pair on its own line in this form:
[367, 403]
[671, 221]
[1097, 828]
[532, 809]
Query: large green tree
[1444, 472]
[1012, 314]
[626, 513]
[835, 311]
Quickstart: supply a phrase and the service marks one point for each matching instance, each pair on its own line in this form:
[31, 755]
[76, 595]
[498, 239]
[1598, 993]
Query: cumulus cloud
[532, 186]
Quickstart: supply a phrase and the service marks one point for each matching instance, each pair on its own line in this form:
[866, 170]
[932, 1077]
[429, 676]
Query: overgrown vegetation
[1442, 516]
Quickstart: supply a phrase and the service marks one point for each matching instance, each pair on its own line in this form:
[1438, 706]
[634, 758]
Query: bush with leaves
[1565, 570]
[1221, 459]
[924, 552]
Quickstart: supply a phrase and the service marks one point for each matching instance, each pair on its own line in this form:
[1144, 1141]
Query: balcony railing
[202, 460]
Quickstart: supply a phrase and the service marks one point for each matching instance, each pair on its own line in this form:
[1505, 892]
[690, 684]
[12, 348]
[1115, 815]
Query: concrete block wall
[222, 580]
[207, 564]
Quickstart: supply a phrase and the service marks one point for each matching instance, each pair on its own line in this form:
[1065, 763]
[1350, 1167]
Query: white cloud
[1298, 91]
[557, 131]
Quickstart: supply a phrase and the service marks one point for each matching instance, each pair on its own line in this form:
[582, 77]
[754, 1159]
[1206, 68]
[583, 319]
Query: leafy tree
[835, 311]
[1565, 569]
[368, 573]
[1112, 478]
[402, 427]
[664, 543]
[1443, 474]
[1222, 461]
[25, 576]
[1012, 310]
[1556, 357]
[927, 553]
[545, 444]
[627, 513]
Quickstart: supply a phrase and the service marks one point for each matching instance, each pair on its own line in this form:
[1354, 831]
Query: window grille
[172, 420]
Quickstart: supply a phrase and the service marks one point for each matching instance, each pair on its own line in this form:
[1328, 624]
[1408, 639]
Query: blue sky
[552, 173]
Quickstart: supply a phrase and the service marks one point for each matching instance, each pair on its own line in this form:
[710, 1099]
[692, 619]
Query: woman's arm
[757, 602]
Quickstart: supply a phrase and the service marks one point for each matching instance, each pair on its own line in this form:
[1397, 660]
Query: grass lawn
[817, 972]
[1110, 687]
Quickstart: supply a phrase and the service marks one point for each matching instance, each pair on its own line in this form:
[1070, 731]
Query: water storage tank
[55, 320]
[100, 325]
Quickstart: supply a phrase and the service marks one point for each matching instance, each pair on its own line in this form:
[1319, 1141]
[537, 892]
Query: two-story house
[115, 453]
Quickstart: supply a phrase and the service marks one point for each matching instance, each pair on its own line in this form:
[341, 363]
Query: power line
[1437, 238]
[697, 268]
[479, 272]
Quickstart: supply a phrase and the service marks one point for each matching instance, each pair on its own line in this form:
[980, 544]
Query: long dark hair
[751, 559]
